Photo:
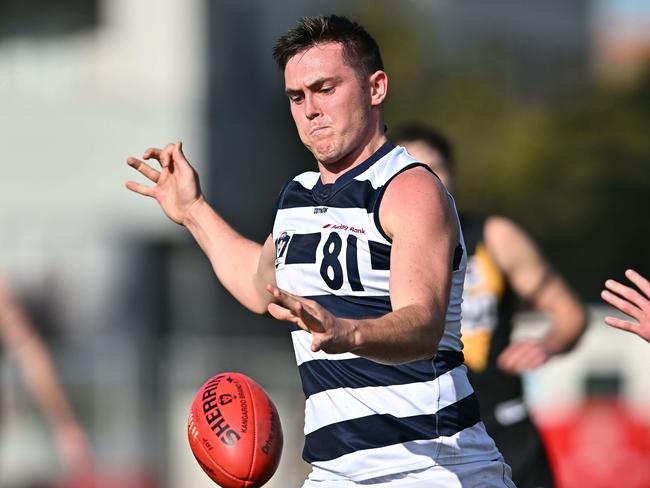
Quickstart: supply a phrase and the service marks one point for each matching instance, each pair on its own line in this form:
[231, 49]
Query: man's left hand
[330, 334]
[523, 355]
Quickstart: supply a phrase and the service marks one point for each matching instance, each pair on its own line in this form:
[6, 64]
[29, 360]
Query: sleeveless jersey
[365, 419]
[488, 307]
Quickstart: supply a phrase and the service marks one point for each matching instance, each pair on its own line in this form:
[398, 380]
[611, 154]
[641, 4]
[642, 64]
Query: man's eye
[327, 89]
[296, 99]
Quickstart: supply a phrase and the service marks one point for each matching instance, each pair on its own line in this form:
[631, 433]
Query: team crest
[281, 245]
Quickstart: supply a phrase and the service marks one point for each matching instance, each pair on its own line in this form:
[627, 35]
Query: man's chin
[326, 157]
[330, 163]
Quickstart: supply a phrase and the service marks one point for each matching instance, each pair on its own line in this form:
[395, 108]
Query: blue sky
[625, 7]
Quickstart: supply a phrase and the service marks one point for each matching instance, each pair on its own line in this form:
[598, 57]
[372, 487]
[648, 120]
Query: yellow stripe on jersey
[484, 286]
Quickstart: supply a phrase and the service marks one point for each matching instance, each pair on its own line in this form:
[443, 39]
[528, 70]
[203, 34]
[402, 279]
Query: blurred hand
[329, 333]
[74, 449]
[524, 355]
[176, 185]
[630, 302]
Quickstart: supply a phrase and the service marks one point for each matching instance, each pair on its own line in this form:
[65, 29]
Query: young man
[503, 265]
[631, 302]
[376, 339]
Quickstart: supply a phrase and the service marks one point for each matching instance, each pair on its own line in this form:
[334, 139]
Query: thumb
[178, 149]
[179, 157]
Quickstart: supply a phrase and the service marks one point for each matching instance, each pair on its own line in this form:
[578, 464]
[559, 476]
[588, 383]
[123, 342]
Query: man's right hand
[631, 302]
[176, 185]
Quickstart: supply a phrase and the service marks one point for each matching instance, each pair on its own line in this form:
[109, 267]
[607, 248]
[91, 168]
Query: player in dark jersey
[504, 267]
[634, 303]
[369, 324]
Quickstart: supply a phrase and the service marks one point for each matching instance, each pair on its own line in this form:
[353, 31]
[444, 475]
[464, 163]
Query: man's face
[424, 153]
[329, 105]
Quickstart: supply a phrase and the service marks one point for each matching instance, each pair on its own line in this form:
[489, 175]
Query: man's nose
[312, 108]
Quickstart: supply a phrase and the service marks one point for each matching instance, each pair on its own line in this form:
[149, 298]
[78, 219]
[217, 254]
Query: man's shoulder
[306, 179]
[390, 166]
[303, 181]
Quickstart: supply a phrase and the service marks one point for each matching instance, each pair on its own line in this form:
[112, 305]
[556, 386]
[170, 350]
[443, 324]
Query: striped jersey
[365, 419]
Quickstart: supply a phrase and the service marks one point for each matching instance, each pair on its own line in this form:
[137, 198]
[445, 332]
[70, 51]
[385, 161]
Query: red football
[235, 432]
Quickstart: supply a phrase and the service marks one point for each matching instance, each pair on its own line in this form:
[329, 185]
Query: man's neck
[331, 172]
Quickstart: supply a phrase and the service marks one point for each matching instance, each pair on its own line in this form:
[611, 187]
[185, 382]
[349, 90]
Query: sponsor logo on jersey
[320, 210]
[356, 230]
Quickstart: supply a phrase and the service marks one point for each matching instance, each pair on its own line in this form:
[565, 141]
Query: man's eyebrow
[293, 91]
[313, 85]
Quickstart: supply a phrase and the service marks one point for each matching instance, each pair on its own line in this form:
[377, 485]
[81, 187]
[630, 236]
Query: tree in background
[574, 169]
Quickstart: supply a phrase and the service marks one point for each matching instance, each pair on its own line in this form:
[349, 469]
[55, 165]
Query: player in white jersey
[366, 261]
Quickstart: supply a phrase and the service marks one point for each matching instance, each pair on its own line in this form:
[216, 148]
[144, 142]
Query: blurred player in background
[25, 346]
[366, 262]
[504, 265]
[631, 302]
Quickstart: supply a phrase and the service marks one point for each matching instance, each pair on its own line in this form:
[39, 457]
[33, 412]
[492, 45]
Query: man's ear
[378, 87]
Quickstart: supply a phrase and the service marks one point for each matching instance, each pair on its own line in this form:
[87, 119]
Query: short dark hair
[431, 136]
[360, 50]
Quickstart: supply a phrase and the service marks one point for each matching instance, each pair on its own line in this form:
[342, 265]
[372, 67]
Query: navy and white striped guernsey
[364, 419]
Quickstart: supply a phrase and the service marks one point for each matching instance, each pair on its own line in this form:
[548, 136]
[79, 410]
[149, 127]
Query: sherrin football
[234, 431]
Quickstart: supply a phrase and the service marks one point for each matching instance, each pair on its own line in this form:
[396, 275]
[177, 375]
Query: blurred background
[547, 102]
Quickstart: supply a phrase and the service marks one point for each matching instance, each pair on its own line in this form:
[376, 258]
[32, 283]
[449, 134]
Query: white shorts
[482, 474]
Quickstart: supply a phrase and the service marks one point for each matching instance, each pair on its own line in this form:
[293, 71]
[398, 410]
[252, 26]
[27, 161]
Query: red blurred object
[601, 444]
[109, 480]
[234, 431]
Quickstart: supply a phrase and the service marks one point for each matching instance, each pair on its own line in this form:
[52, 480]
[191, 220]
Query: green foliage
[575, 174]
[594, 174]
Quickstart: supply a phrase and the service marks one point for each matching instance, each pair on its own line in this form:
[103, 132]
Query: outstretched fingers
[141, 189]
[154, 153]
[642, 329]
[282, 313]
[625, 304]
[630, 294]
[297, 309]
[144, 169]
[170, 153]
[639, 281]
[621, 324]
[631, 302]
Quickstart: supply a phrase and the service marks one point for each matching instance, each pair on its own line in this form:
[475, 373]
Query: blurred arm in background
[515, 256]
[532, 278]
[630, 302]
[27, 348]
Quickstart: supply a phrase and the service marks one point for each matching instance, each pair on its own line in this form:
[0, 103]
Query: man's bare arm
[243, 266]
[26, 347]
[531, 278]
